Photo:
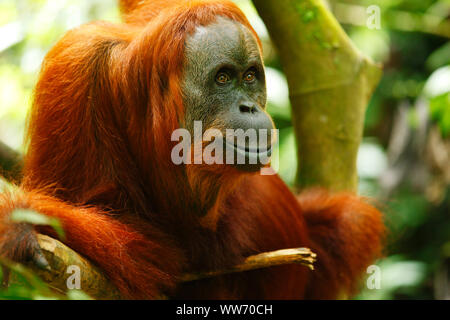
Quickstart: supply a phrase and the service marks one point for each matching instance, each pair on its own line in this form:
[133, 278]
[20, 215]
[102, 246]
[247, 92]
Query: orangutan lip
[250, 152]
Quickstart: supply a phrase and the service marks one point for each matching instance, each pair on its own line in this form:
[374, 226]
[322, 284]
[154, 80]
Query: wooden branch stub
[303, 256]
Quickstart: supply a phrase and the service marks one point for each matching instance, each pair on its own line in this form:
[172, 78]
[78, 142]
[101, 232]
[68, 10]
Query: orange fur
[118, 248]
[106, 103]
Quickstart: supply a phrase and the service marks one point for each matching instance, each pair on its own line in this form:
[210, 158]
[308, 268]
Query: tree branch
[96, 284]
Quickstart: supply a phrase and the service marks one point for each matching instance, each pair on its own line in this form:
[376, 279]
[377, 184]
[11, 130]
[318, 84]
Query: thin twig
[303, 256]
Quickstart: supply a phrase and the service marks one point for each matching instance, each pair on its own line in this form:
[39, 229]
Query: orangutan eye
[250, 76]
[222, 78]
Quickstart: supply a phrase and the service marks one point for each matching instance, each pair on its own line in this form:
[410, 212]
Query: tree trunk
[330, 83]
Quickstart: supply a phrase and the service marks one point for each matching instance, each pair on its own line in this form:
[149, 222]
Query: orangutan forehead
[222, 40]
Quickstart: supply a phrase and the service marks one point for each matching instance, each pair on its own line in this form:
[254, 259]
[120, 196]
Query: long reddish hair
[106, 103]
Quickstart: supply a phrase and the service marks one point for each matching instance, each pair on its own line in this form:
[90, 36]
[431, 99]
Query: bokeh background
[403, 162]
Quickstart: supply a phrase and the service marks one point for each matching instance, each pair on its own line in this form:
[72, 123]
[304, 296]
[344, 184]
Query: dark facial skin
[224, 82]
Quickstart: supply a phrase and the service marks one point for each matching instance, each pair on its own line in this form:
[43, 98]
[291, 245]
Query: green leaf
[440, 112]
[35, 218]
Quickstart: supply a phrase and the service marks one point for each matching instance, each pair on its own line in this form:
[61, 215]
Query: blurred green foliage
[440, 111]
[416, 64]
